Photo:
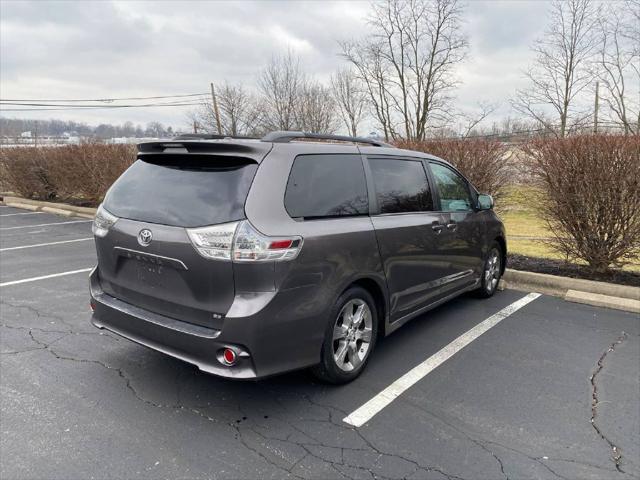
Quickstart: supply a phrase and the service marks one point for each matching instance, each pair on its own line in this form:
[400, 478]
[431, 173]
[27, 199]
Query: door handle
[437, 227]
[452, 225]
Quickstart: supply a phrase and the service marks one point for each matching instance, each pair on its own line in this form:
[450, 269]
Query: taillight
[241, 242]
[102, 222]
[250, 245]
[214, 242]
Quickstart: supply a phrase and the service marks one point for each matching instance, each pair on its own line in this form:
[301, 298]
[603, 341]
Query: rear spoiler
[254, 151]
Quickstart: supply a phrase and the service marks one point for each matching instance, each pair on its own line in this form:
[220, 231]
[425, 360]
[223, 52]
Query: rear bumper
[266, 339]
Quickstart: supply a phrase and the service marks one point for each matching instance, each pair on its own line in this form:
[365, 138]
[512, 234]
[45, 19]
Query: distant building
[25, 135]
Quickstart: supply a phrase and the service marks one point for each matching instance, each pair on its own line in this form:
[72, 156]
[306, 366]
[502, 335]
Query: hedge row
[79, 174]
[83, 173]
[591, 183]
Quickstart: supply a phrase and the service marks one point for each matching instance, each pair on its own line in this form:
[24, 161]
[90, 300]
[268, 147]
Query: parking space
[518, 401]
[42, 228]
[37, 245]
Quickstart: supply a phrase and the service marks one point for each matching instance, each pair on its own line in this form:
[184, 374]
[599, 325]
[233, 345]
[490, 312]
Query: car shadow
[165, 381]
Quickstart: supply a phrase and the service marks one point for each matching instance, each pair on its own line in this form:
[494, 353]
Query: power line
[101, 99]
[93, 107]
[163, 104]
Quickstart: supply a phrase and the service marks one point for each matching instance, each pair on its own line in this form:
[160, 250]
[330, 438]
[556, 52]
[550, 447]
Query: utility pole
[195, 126]
[595, 108]
[215, 109]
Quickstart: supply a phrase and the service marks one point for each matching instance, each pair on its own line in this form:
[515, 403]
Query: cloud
[83, 49]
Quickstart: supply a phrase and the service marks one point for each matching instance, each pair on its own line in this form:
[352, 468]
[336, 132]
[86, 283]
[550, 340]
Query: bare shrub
[25, 172]
[484, 162]
[74, 173]
[592, 196]
[85, 172]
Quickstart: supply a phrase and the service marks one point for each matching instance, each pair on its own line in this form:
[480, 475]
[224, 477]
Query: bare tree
[238, 110]
[193, 120]
[291, 101]
[315, 109]
[472, 120]
[374, 75]
[154, 129]
[407, 63]
[280, 84]
[560, 72]
[239, 113]
[632, 32]
[350, 98]
[619, 64]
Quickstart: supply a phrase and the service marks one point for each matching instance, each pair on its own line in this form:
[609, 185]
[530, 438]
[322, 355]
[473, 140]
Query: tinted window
[452, 189]
[401, 186]
[180, 193]
[326, 186]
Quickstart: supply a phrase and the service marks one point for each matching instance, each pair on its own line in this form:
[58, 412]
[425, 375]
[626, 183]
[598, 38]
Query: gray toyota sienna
[249, 258]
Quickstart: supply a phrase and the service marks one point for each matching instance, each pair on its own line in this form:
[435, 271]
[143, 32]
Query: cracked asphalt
[551, 392]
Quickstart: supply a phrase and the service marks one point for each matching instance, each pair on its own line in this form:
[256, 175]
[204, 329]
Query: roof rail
[210, 136]
[287, 136]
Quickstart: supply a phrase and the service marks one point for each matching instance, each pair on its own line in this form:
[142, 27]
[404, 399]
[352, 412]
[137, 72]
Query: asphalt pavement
[552, 391]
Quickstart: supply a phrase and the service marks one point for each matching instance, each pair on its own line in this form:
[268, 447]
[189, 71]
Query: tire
[491, 272]
[345, 349]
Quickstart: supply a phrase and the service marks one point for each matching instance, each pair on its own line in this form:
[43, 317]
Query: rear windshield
[182, 191]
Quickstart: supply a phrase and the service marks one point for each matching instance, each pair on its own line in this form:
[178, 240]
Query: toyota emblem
[144, 237]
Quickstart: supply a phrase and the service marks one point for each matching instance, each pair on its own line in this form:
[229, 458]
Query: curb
[49, 207]
[599, 294]
[24, 206]
[626, 304]
[57, 211]
[559, 286]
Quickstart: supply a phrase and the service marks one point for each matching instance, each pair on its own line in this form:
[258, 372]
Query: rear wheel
[349, 338]
[491, 273]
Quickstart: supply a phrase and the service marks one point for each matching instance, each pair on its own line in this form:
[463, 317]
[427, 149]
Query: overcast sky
[83, 49]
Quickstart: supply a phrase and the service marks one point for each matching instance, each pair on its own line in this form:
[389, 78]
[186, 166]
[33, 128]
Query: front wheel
[491, 273]
[349, 338]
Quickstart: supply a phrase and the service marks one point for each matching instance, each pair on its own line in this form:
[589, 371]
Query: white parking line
[14, 214]
[367, 411]
[45, 244]
[46, 224]
[44, 277]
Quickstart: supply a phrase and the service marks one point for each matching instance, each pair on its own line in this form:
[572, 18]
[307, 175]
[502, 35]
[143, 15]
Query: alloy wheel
[492, 271]
[352, 334]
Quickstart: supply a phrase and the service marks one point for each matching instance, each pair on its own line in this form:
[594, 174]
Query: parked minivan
[249, 258]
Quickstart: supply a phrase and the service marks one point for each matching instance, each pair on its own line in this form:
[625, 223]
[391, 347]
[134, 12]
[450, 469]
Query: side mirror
[485, 202]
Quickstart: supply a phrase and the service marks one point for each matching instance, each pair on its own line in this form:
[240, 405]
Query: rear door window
[453, 190]
[323, 186]
[182, 190]
[401, 185]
